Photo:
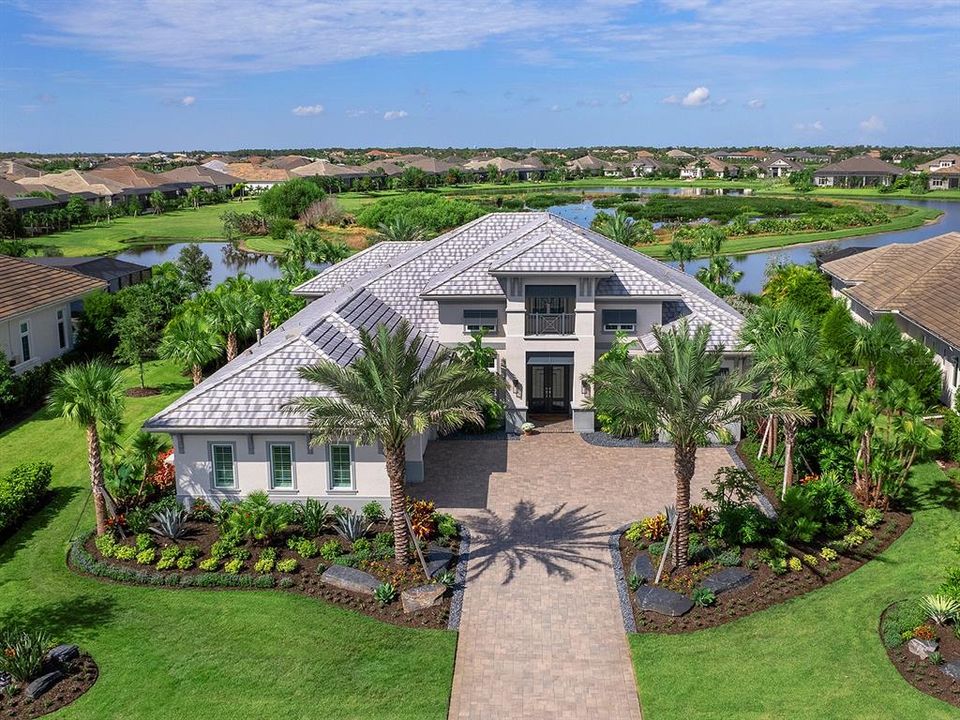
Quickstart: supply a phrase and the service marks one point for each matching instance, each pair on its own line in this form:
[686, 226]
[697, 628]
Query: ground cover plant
[213, 646]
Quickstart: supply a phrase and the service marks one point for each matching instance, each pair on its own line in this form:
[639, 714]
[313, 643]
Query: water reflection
[227, 260]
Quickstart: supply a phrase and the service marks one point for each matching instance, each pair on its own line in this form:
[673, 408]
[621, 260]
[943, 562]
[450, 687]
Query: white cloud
[815, 126]
[696, 97]
[307, 110]
[755, 104]
[873, 124]
[625, 97]
[394, 114]
[187, 100]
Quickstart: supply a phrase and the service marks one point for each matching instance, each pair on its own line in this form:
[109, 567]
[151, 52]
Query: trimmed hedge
[85, 562]
[951, 435]
[22, 490]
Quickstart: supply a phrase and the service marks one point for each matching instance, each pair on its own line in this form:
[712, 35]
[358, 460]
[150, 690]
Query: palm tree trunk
[789, 439]
[267, 322]
[684, 465]
[96, 477]
[231, 346]
[197, 374]
[396, 472]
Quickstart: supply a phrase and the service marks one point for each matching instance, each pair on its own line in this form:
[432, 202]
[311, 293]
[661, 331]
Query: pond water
[753, 264]
[227, 262]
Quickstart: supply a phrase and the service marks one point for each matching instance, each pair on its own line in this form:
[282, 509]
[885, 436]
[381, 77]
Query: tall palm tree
[190, 339]
[239, 190]
[233, 311]
[400, 229]
[195, 196]
[784, 342]
[88, 395]
[720, 275]
[874, 346]
[681, 252]
[682, 391]
[391, 394]
[619, 227]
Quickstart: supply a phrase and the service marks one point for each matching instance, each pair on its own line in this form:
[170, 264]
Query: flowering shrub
[924, 632]
[656, 527]
[162, 475]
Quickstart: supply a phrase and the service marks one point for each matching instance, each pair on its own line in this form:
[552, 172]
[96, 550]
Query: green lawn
[817, 656]
[174, 226]
[913, 217]
[195, 653]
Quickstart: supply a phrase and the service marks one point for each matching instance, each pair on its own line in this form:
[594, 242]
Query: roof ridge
[548, 237]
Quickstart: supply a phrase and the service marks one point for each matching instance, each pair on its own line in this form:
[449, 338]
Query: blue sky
[118, 75]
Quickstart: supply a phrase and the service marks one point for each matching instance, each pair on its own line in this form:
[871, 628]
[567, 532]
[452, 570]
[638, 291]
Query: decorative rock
[951, 670]
[421, 597]
[438, 559]
[63, 653]
[5, 679]
[642, 566]
[351, 579]
[43, 683]
[662, 601]
[922, 648]
[727, 579]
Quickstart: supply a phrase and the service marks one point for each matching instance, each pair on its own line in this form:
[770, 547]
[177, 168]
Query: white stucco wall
[44, 337]
[311, 469]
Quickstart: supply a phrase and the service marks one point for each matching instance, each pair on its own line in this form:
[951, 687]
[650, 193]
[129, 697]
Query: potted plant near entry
[527, 428]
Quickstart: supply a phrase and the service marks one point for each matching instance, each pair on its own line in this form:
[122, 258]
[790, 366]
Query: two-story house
[549, 294]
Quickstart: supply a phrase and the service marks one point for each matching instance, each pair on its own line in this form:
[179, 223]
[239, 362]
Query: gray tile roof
[394, 281]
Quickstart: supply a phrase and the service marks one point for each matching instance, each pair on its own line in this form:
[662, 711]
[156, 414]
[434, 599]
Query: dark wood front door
[549, 388]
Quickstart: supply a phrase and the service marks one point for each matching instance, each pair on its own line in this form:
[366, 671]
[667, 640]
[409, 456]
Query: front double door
[550, 388]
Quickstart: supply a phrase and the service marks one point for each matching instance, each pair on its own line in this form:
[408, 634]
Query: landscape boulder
[922, 648]
[63, 654]
[727, 579]
[421, 597]
[350, 579]
[662, 601]
[642, 567]
[43, 684]
[438, 559]
[951, 670]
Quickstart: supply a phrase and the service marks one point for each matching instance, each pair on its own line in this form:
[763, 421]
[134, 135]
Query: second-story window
[619, 320]
[479, 320]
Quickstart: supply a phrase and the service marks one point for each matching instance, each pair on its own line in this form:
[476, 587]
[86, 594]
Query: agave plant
[170, 523]
[352, 526]
[941, 608]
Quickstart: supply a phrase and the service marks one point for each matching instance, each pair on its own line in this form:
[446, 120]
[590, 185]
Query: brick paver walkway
[541, 634]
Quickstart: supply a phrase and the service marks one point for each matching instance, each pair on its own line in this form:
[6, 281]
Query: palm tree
[720, 275]
[233, 312]
[391, 394]
[144, 450]
[195, 196]
[874, 346]
[784, 341]
[681, 252]
[190, 339]
[619, 227]
[308, 246]
[400, 229]
[239, 190]
[681, 390]
[89, 394]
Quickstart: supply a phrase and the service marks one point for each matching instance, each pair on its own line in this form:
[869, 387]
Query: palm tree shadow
[66, 620]
[559, 541]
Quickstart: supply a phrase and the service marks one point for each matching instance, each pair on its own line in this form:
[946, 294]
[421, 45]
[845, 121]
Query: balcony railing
[550, 323]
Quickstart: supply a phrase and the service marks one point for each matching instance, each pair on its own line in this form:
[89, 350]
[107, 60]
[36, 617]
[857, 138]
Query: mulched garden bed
[81, 674]
[923, 674]
[305, 580]
[142, 391]
[766, 589]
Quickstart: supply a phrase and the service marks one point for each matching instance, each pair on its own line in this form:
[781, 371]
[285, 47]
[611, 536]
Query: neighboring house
[118, 274]
[860, 171]
[590, 165]
[944, 172]
[777, 166]
[74, 182]
[802, 156]
[678, 154]
[527, 169]
[736, 155]
[12, 170]
[641, 166]
[917, 285]
[288, 162]
[431, 166]
[707, 167]
[35, 310]
[324, 168]
[378, 167]
[205, 177]
[944, 161]
[550, 295]
[256, 176]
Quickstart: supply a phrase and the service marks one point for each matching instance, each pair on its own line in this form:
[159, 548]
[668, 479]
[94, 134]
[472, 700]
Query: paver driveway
[541, 634]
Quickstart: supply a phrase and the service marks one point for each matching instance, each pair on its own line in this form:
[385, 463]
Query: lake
[754, 264]
[227, 262]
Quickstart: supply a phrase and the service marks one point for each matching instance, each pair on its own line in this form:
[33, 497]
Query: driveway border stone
[456, 601]
[623, 592]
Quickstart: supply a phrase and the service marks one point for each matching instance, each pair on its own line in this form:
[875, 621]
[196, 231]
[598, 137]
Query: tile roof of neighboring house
[127, 176]
[588, 162]
[407, 159]
[780, 160]
[500, 163]
[10, 189]
[325, 168]
[25, 286]
[198, 173]
[431, 166]
[917, 281]
[102, 267]
[860, 165]
[288, 162]
[950, 158]
[948, 170]
[12, 170]
[533, 162]
[390, 281]
[679, 154]
[251, 172]
[389, 169]
[218, 165]
[73, 181]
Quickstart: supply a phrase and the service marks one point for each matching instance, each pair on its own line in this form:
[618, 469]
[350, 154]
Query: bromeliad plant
[398, 388]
